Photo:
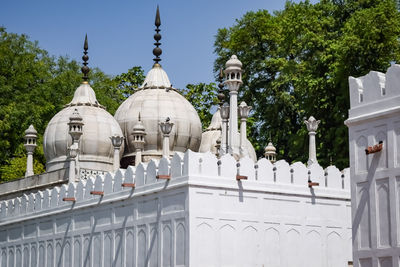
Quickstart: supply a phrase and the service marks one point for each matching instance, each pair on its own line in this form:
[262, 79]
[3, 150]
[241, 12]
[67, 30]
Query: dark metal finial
[221, 95]
[85, 69]
[157, 36]
[158, 20]
[221, 78]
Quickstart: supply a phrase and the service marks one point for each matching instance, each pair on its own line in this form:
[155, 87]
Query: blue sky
[120, 33]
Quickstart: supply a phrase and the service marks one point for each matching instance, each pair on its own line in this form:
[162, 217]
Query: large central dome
[155, 101]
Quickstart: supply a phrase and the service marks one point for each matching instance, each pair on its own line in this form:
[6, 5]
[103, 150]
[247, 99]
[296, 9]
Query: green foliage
[203, 97]
[112, 91]
[297, 62]
[16, 167]
[34, 87]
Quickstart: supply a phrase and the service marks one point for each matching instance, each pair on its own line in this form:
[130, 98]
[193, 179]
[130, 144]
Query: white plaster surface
[375, 178]
[202, 216]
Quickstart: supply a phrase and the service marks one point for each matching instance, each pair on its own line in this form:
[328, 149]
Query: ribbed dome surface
[156, 78]
[154, 106]
[96, 149]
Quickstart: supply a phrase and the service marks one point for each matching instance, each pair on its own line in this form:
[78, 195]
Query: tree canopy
[203, 97]
[34, 86]
[297, 62]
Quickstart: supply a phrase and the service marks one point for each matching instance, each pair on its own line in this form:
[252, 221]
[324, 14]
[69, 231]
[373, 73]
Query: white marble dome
[96, 149]
[155, 101]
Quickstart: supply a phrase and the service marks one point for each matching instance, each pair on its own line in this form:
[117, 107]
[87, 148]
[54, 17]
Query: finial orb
[157, 37]
[157, 51]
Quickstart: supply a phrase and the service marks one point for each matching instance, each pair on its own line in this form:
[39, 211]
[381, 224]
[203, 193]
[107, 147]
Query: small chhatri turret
[85, 69]
[157, 37]
[30, 145]
[270, 151]
[233, 79]
[75, 130]
[138, 133]
[75, 126]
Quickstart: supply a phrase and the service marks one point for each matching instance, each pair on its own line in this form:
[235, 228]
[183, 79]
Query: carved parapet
[192, 167]
[376, 89]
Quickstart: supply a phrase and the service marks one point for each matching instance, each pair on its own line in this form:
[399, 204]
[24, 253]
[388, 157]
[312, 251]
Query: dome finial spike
[85, 45]
[85, 69]
[157, 36]
[158, 20]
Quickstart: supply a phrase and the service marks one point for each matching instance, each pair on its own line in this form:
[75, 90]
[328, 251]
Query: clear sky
[120, 33]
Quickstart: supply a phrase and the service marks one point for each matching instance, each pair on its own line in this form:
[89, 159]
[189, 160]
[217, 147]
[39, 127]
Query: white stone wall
[202, 216]
[375, 178]
[272, 219]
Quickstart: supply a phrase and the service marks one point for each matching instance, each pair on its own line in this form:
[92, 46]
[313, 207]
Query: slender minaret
[233, 79]
[30, 145]
[166, 128]
[139, 133]
[75, 130]
[116, 141]
[312, 126]
[244, 111]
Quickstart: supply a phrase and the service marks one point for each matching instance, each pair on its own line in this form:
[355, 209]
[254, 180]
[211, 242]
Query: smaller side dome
[96, 149]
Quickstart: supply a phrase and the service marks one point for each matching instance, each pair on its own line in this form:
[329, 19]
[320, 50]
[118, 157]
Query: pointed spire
[157, 36]
[158, 20]
[85, 69]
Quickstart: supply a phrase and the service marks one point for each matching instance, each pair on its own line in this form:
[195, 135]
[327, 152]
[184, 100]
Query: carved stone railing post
[224, 131]
[312, 126]
[244, 111]
[166, 128]
[116, 141]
